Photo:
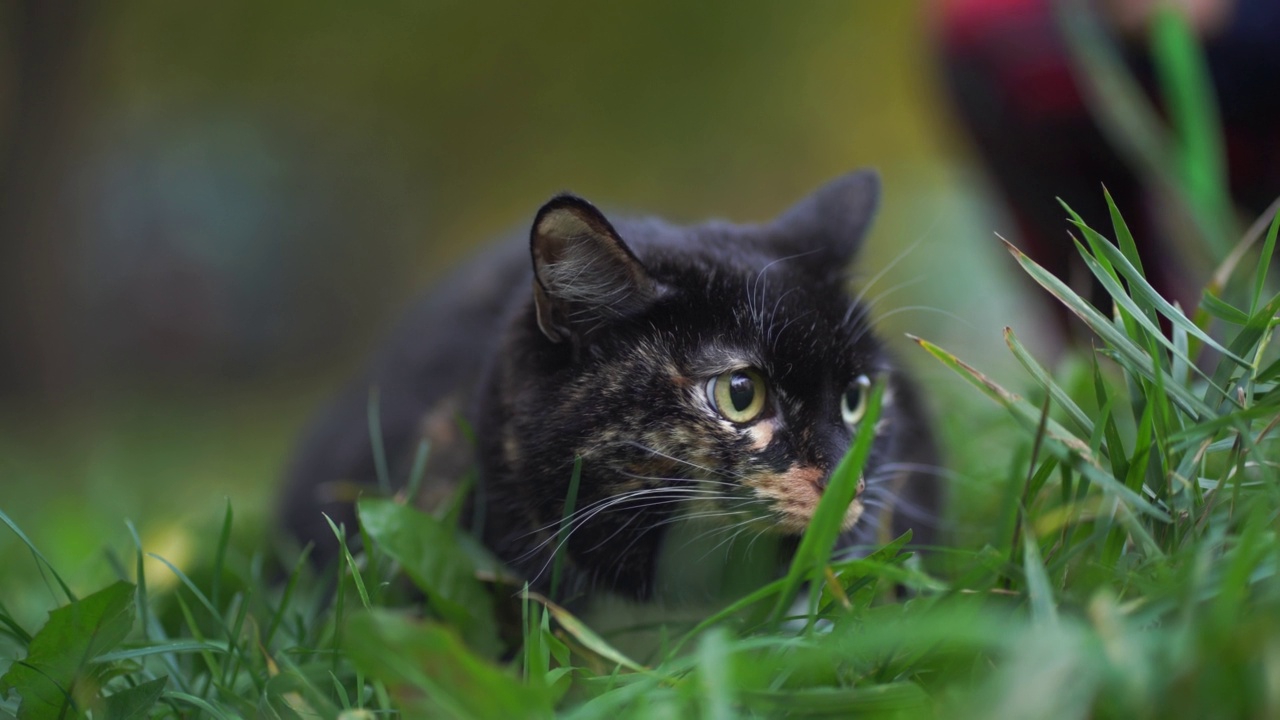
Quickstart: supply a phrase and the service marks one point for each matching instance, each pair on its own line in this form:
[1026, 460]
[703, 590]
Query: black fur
[602, 350]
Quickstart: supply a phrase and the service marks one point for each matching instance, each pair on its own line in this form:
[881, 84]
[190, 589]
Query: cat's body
[711, 372]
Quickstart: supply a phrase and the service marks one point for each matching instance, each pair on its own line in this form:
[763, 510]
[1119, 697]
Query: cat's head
[724, 368]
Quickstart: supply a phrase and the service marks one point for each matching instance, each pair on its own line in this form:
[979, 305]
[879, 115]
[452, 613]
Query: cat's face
[757, 400]
[723, 369]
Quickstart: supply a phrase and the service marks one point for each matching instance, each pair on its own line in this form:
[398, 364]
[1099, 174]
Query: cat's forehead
[737, 302]
[722, 250]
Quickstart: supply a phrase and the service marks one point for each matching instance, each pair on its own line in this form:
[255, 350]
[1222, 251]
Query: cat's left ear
[584, 274]
[826, 228]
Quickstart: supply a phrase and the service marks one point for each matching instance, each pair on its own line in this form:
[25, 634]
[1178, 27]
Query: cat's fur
[602, 348]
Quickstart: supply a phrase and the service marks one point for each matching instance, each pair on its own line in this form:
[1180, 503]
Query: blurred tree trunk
[44, 41]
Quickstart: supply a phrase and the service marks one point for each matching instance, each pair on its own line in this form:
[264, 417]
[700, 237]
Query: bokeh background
[210, 212]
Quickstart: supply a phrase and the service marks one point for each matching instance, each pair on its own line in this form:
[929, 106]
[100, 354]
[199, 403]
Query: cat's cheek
[761, 434]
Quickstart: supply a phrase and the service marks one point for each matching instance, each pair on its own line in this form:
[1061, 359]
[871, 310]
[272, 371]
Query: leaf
[431, 556]
[431, 673]
[57, 673]
[135, 701]
[586, 635]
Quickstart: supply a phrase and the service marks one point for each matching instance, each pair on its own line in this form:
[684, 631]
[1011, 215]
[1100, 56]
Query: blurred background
[210, 212]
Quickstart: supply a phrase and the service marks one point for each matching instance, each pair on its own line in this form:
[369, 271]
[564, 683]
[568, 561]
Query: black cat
[714, 372]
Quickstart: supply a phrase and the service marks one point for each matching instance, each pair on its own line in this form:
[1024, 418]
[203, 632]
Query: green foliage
[59, 673]
[1131, 572]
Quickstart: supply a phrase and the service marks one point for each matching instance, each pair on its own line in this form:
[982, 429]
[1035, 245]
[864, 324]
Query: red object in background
[1008, 72]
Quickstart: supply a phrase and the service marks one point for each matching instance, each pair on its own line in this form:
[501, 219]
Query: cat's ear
[826, 228]
[584, 274]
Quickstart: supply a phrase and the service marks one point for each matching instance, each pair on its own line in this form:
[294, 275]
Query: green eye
[738, 395]
[854, 404]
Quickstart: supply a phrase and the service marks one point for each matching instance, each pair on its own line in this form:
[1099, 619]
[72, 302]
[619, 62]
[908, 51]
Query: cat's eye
[854, 404]
[738, 395]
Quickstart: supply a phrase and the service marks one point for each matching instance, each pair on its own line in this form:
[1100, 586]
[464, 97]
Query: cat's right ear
[826, 228]
[584, 274]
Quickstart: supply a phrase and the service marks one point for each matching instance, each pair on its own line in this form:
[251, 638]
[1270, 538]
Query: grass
[1127, 568]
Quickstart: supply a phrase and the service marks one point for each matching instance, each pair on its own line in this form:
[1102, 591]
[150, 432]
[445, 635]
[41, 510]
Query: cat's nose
[828, 446]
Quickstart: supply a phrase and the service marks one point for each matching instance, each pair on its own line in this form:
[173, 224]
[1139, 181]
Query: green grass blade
[1152, 333]
[1116, 99]
[375, 440]
[286, 597]
[586, 635]
[737, 606]
[1187, 89]
[1264, 262]
[562, 535]
[1061, 442]
[1223, 310]
[349, 563]
[1249, 337]
[144, 608]
[161, 648]
[899, 699]
[1039, 591]
[15, 630]
[202, 704]
[418, 470]
[1139, 361]
[820, 536]
[1124, 238]
[1143, 289]
[40, 558]
[239, 653]
[1042, 377]
[716, 685]
[220, 557]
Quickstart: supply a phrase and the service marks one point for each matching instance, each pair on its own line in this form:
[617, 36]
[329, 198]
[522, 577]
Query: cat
[715, 371]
